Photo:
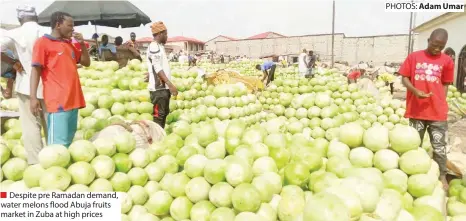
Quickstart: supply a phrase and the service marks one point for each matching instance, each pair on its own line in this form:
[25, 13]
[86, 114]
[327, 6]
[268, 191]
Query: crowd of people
[44, 68]
[117, 51]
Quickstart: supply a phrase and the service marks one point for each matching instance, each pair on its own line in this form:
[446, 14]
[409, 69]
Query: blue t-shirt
[109, 46]
[267, 65]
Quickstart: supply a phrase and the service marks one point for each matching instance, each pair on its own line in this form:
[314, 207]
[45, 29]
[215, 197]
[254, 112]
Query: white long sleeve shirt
[156, 61]
[302, 62]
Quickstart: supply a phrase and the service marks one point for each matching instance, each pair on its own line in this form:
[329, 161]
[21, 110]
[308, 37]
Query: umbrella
[103, 13]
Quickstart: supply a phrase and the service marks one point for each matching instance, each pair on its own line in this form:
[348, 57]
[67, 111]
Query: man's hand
[35, 106]
[173, 90]
[422, 94]
[132, 49]
[6, 93]
[146, 77]
[79, 37]
[18, 67]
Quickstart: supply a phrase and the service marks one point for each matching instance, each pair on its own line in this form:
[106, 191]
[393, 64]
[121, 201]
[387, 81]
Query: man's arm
[35, 77]
[85, 58]
[265, 75]
[34, 101]
[7, 59]
[418, 93]
[163, 77]
[445, 88]
[135, 53]
[407, 83]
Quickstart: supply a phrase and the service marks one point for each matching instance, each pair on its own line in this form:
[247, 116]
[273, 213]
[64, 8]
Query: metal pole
[333, 33]
[410, 31]
[412, 37]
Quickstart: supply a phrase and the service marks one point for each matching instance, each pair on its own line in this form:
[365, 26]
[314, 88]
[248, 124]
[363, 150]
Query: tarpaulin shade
[102, 13]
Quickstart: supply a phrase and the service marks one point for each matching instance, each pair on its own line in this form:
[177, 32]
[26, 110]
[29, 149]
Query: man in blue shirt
[9, 72]
[268, 67]
[106, 46]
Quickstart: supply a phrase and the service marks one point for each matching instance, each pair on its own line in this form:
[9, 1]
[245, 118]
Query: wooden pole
[333, 33]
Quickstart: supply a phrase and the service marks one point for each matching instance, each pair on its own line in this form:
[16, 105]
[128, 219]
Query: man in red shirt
[54, 59]
[426, 75]
[355, 75]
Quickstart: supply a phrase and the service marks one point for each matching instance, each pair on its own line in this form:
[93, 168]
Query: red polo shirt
[428, 73]
[58, 59]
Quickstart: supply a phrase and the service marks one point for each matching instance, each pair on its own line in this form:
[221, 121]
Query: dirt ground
[457, 145]
[457, 132]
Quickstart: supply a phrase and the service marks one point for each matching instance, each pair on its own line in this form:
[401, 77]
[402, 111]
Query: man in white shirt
[302, 63]
[21, 41]
[160, 86]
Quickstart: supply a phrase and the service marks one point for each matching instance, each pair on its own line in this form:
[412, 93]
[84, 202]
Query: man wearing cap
[21, 41]
[160, 86]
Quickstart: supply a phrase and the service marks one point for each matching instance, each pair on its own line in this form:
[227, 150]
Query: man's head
[62, 24]
[311, 53]
[104, 39]
[26, 14]
[132, 36]
[304, 51]
[450, 52]
[159, 31]
[258, 67]
[437, 41]
[118, 41]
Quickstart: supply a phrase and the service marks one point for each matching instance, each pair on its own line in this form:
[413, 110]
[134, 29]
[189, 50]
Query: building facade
[211, 45]
[455, 24]
[378, 49]
[177, 44]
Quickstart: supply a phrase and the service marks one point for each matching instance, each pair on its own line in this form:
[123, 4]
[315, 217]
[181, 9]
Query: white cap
[26, 11]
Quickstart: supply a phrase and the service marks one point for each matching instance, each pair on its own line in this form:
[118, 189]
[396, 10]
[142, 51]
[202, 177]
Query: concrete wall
[456, 36]
[283, 45]
[211, 44]
[378, 49]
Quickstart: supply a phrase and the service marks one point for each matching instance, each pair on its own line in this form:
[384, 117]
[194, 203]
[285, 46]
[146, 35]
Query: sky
[206, 19]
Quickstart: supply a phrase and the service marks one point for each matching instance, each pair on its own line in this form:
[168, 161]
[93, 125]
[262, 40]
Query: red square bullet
[3, 195]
